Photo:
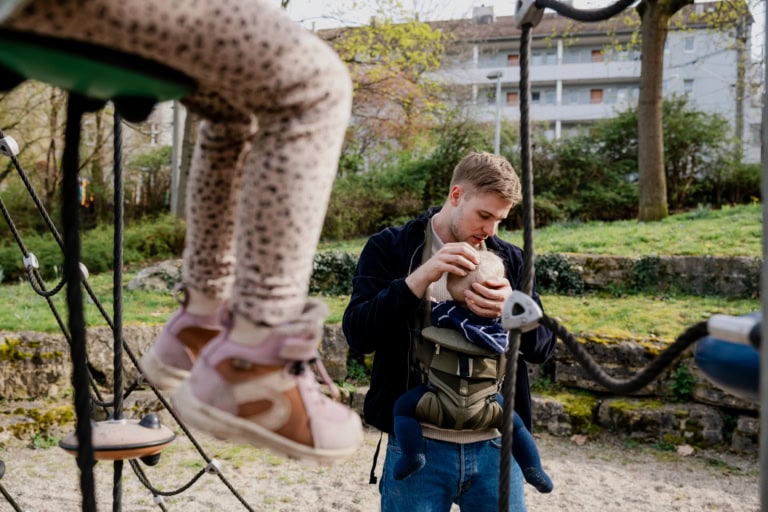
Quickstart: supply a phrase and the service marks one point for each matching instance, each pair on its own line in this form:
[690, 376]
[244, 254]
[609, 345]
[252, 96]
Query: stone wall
[36, 367]
[731, 277]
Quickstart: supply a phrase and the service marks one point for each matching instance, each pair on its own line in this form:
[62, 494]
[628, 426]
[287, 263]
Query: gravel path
[603, 476]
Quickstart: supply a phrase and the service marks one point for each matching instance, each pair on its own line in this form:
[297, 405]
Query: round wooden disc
[122, 439]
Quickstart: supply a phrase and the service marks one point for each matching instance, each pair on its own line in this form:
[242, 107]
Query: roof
[504, 28]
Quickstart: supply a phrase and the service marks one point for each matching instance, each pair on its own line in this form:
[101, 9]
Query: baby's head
[489, 265]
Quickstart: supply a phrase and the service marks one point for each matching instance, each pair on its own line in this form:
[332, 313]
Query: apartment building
[583, 72]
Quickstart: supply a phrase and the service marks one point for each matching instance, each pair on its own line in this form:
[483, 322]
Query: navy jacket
[382, 312]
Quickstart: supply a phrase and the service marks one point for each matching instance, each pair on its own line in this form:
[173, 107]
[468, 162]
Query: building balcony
[552, 113]
[593, 72]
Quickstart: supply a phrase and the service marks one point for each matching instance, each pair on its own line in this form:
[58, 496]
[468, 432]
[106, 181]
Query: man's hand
[455, 258]
[486, 299]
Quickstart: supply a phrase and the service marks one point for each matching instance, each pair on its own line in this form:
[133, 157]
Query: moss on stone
[41, 421]
[634, 405]
[580, 407]
[17, 350]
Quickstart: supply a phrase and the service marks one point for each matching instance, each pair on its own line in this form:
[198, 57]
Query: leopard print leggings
[275, 101]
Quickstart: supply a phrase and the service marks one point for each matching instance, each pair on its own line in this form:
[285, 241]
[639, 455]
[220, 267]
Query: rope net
[74, 282]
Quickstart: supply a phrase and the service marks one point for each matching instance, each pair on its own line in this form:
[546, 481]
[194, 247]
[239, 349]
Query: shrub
[647, 275]
[332, 273]
[162, 238]
[555, 274]
[683, 383]
[363, 204]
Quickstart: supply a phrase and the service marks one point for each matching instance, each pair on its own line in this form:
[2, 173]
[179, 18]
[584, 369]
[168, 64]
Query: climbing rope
[117, 296]
[70, 219]
[85, 380]
[529, 14]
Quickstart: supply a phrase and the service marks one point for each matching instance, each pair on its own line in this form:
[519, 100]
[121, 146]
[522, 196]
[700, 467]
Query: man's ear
[454, 195]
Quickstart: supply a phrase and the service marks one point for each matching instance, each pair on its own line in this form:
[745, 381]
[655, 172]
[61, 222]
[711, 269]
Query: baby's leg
[408, 434]
[527, 456]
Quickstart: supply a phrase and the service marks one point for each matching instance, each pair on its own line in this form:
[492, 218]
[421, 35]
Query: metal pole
[175, 162]
[497, 139]
[496, 75]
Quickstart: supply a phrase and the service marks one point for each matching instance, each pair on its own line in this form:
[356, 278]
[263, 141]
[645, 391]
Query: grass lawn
[640, 316]
[726, 232]
[730, 231]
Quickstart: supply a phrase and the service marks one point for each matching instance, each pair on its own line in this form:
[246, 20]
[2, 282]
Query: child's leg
[527, 456]
[408, 434]
[209, 256]
[251, 63]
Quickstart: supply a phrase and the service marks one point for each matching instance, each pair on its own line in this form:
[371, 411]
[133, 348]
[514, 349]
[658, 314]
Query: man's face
[476, 216]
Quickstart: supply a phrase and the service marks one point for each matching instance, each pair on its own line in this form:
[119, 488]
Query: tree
[154, 182]
[654, 15]
[390, 61]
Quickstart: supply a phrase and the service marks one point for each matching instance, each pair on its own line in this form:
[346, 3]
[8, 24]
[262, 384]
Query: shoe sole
[164, 377]
[228, 427]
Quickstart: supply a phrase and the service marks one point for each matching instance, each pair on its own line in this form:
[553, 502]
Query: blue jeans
[464, 474]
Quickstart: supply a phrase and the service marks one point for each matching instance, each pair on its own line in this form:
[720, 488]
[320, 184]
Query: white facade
[579, 77]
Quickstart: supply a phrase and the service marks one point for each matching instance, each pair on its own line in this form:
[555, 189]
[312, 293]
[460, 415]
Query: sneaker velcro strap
[299, 349]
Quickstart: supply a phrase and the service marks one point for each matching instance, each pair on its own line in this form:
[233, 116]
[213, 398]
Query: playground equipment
[94, 75]
[728, 349]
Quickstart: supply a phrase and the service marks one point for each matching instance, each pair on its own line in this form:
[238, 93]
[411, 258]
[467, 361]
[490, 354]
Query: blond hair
[486, 172]
[490, 265]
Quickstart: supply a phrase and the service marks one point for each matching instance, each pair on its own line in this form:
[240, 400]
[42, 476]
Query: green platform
[92, 71]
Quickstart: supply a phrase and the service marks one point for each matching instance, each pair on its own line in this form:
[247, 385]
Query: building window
[544, 58]
[754, 134]
[596, 96]
[597, 55]
[512, 98]
[689, 44]
[535, 97]
[513, 60]
[688, 86]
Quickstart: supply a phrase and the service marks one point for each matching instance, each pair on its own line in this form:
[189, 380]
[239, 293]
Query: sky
[319, 14]
[328, 13]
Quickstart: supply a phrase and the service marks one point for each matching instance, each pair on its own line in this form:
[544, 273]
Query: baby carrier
[462, 378]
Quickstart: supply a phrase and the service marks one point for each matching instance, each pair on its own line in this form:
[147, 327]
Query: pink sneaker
[167, 363]
[266, 395]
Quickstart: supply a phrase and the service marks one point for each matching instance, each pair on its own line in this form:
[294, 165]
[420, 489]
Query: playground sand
[602, 475]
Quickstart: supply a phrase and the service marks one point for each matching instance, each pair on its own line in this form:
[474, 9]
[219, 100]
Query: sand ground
[603, 475]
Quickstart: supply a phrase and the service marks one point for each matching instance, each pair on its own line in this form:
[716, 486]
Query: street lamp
[496, 75]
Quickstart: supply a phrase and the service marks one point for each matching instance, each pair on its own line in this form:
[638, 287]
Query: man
[399, 271]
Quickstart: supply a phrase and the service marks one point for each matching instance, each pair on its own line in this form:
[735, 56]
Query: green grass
[640, 316]
[28, 311]
[730, 231]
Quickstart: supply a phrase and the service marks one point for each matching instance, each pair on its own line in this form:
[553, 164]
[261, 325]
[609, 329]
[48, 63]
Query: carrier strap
[373, 479]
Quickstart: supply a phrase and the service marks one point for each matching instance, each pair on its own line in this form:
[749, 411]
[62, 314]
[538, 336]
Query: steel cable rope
[121, 345]
[117, 296]
[585, 15]
[38, 285]
[619, 386]
[76, 106]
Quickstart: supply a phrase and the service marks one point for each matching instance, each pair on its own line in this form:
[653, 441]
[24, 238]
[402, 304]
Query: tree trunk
[189, 137]
[650, 159]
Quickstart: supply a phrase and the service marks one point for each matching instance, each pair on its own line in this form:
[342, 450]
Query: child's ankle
[201, 304]
[244, 331]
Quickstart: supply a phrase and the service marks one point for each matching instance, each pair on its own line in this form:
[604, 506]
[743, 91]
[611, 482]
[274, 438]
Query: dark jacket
[382, 312]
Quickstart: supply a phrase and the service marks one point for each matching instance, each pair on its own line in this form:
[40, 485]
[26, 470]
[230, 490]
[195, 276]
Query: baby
[487, 333]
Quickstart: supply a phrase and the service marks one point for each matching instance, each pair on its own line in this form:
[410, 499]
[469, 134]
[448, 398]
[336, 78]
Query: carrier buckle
[520, 313]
